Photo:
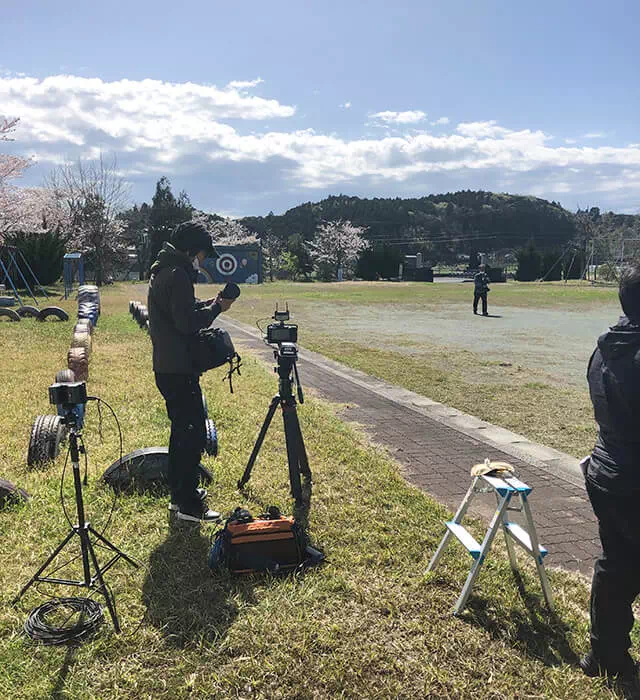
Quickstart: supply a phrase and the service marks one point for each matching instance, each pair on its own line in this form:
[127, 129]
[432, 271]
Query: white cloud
[244, 84]
[409, 117]
[440, 122]
[162, 128]
[594, 135]
[570, 141]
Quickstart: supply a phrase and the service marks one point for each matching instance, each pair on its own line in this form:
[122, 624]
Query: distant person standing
[613, 484]
[481, 287]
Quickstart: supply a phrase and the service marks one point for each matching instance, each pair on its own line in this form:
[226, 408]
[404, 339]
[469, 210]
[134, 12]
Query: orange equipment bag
[271, 542]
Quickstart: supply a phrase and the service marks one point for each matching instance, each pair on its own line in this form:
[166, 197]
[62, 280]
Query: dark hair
[629, 291]
[191, 237]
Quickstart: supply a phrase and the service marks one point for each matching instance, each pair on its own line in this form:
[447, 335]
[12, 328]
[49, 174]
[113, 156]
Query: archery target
[226, 264]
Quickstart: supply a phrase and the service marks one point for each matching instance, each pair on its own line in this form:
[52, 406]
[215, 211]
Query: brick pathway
[437, 457]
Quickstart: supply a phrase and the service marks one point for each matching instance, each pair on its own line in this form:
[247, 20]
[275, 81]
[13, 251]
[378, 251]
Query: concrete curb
[555, 462]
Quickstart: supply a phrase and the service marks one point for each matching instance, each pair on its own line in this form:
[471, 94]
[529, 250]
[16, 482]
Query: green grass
[368, 624]
[510, 395]
[571, 295]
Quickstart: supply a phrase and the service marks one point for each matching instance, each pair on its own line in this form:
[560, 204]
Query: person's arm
[186, 315]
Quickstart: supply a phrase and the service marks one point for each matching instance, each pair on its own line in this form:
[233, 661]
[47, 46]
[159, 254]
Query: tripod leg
[35, 577]
[113, 548]
[103, 586]
[256, 448]
[293, 457]
[303, 460]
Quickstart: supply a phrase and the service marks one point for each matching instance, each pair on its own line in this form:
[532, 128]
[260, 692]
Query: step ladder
[511, 495]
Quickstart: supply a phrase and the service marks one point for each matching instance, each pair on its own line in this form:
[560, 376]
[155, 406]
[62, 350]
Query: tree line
[85, 206]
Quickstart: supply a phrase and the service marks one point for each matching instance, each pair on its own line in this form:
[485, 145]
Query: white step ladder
[506, 488]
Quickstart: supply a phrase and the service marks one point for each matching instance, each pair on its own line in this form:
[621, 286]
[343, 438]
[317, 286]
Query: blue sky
[258, 106]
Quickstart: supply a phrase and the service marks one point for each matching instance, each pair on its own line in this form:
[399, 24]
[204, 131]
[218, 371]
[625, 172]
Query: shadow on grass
[535, 631]
[184, 600]
[58, 691]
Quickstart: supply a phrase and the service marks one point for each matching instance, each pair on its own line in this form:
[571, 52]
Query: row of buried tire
[140, 315]
[32, 312]
[49, 432]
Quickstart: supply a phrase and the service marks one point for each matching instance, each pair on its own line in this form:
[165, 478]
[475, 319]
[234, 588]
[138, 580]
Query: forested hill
[467, 220]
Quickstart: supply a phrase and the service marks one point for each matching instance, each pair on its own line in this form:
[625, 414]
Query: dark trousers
[476, 297]
[183, 398]
[616, 576]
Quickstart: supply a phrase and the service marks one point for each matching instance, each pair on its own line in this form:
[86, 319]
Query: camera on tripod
[68, 394]
[282, 333]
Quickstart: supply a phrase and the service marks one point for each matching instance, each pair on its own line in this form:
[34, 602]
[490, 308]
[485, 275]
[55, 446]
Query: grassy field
[514, 394]
[368, 624]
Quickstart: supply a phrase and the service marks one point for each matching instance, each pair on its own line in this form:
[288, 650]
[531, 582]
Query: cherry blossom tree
[337, 244]
[93, 194]
[12, 198]
[226, 231]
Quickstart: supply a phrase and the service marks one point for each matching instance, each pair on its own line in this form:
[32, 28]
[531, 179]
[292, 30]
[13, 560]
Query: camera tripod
[84, 531]
[286, 357]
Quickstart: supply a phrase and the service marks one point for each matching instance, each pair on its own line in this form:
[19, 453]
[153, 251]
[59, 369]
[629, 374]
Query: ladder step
[518, 485]
[500, 485]
[521, 536]
[465, 538]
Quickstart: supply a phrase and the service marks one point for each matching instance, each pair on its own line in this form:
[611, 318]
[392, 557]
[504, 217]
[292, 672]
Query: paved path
[437, 446]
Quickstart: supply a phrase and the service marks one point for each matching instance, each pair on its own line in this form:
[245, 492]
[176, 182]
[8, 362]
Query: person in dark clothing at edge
[480, 289]
[612, 478]
[174, 317]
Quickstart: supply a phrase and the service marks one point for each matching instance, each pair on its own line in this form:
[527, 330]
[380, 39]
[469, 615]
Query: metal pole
[33, 274]
[8, 278]
[26, 284]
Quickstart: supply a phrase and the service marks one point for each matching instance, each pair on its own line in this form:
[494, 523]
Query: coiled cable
[40, 629]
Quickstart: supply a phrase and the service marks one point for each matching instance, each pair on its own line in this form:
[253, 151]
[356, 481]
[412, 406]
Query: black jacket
[614, 385]
[174, 313]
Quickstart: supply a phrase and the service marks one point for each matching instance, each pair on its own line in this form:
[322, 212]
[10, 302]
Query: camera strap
[234, 367]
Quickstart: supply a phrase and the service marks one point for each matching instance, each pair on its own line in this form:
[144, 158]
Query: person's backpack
[271, 542]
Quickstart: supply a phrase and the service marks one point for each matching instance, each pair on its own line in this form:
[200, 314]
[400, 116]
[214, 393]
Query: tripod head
[286, 357]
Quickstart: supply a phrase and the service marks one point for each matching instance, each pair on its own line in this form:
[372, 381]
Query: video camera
[68, 394]
[282, 334]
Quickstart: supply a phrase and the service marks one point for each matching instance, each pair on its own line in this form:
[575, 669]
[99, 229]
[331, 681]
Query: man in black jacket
[174, 318]
[613, 485]
[480, 290]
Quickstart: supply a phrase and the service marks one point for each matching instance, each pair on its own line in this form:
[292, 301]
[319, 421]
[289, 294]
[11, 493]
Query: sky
[254, 107]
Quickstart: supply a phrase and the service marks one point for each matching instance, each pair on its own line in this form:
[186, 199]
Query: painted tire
[53, 311]
[9, 313]
[44, 445]
[10, 494]
[144, 470]
[78, 362]
[28, 312]
[82, 340]
[211, 445]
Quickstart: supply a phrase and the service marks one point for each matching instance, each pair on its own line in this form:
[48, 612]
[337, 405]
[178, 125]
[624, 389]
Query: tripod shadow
[184, 599]
[540, 633]
[58, 690]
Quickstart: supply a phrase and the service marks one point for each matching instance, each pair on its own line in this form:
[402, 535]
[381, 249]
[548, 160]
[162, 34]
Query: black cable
[41, 630]
[121, 441]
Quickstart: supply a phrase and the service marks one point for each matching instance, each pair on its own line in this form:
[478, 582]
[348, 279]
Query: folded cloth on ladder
[487, 467]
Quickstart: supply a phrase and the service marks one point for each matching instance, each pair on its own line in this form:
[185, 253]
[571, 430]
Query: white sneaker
[201, 492]
[206, 515]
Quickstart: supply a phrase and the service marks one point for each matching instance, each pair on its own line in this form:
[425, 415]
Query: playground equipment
[15, 268]
[73, 265]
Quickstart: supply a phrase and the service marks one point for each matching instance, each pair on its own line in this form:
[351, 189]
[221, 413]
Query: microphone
[230, 291]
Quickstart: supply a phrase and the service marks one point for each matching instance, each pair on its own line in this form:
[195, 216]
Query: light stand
[85, 532]
[286, 357]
